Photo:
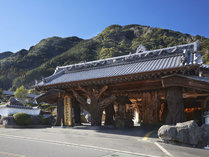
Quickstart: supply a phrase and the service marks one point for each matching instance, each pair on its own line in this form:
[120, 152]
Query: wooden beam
[182, 81]
[85, 91]
[102, 91]
[107, 101]
[79, 98]
[194, 95]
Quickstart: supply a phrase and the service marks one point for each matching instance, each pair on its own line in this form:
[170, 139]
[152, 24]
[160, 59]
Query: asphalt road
[89, 142]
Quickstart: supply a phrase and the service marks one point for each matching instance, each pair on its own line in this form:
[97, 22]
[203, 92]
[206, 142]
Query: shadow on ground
[138, 131]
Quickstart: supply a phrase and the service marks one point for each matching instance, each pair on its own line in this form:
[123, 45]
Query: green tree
[21, 94]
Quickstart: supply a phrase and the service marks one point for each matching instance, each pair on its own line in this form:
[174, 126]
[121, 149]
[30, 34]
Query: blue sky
[24, 23]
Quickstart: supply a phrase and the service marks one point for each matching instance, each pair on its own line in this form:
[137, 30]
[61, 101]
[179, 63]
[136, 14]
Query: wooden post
[206, 104]
[109, 113]
[125, 115]
[97, 103]
[67, 111]
[77, 112]
[60, 112]
[175, 105]
[150, 107]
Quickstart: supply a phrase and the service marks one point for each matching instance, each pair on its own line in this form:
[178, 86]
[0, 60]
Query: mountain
[17, 64]
[5, 54]
[26, 66]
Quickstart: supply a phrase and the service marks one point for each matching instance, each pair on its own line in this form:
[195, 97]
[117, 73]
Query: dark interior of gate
[168, 85]
[132, 105]
[187, 101]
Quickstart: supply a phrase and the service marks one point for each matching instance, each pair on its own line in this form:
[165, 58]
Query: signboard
[67, 111]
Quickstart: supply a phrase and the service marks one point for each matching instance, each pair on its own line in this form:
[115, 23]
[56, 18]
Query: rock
[167, 132]
[8, 120]
[205, 135]
[187, 133]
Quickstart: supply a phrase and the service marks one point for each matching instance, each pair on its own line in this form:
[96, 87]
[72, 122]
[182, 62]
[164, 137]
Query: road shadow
[137, 131]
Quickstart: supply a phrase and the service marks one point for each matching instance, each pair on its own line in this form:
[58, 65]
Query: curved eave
[121, 78]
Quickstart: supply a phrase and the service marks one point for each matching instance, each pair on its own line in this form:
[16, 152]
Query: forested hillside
[26, 66]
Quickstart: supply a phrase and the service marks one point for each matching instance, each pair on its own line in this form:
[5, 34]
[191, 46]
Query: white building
[6, 110]
[14, 106]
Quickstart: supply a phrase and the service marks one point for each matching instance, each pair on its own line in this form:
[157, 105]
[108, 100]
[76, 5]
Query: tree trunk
[60, 112]
[77, 113]
[109, 112]
[97, 103]
[96, 118]
[151, 107]
[175, 105]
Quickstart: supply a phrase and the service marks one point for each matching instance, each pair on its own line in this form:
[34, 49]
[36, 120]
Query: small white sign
[88, 101]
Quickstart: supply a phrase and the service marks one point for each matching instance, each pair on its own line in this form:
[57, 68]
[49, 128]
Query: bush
[42, 120]
[22, 118]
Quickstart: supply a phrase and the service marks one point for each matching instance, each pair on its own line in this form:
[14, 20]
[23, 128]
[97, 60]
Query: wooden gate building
[169, 84]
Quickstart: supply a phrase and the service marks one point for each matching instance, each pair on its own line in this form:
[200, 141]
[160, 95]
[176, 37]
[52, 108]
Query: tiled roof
[5, 92]
[205, 66]
[147, 61]
[16, 106]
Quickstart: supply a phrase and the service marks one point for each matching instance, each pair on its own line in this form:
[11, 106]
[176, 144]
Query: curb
[25, 126]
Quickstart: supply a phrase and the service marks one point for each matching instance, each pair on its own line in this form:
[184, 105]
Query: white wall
[8, 111]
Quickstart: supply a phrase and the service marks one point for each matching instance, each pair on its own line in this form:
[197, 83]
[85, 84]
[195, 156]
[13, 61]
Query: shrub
[42, 119]
[22, 118]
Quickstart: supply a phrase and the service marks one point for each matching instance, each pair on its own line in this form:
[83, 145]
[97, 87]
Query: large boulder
[205, 135]
[167, 132]
[188, 133]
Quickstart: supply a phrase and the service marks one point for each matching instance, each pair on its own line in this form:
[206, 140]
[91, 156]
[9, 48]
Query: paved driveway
[89, 142]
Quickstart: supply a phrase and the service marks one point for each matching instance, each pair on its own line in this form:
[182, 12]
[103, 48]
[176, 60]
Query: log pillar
[67, 111]
[96, 112]
[96, 104]
[77, 112]
[125, 115]
[60, 112]
[206, 104]
[175, 104]
[150, 107]
[109, 113]
[122, 101]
